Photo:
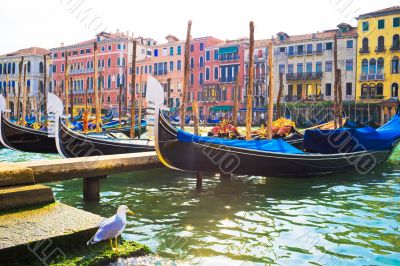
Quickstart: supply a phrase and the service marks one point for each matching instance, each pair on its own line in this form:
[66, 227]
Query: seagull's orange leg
[116, 243]
[112, 248]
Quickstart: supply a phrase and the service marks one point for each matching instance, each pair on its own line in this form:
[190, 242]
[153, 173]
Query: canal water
[339, 220]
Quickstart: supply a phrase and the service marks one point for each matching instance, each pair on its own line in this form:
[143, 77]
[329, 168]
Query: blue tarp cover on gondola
[345, 140]
[275, 145]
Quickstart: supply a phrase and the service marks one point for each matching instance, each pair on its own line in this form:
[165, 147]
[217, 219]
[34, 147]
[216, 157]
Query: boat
[180, 150]
[126, 130]
[71, 144]
[17, 137]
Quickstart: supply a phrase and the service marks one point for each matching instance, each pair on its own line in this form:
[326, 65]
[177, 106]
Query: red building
[113, 54]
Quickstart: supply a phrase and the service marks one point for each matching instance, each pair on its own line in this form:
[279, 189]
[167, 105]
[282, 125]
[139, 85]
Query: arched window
[109, 82]
[41, 86]
[379, 89]
[109, 62]
[395, 90]
[13, 67]
[145, 69]
[365, 45]
[123, 61]
[381, 64]
[201, 61]
[395, 65]
[9, 68]
[372, 66]
[381, 43]
[1, 69]
[118, 80]
[41, 67]
[28, 67]
[216, 72]
[28, 83]
[192, 62]
[396, 43]
[207, 74]
[108, 99]
[88, 83]
[123, 80]
[118, 61]
[88, 65]
[364, 67]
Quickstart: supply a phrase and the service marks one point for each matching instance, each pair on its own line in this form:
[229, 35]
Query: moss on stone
[101, 254]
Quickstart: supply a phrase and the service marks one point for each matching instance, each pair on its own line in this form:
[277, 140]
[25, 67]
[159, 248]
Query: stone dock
[33, 226]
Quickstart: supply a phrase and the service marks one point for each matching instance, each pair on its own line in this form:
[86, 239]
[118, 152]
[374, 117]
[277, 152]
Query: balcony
[364, 50]
[228, 58]
[227, 80]
[304, 76]
[372, 77]
[380, 49]
[395, 48]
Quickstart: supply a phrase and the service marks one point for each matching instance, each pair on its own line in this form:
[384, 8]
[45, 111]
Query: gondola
[25, 139]
[183, 151]
[71, 144]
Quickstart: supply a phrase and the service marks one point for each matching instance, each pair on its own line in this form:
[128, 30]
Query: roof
[29, 51]
[383, 12]
[328, 34]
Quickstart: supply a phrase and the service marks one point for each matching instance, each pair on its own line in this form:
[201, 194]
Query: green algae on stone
[101, 254]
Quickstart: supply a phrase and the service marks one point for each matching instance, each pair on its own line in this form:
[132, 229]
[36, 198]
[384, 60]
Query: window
[216, 55]
[62, 68]
[201, 61]
[395, 90]
[54, 68]
[365, 26]
[300, 49]
[291, 50]
[281, 69]
[201, 46]
[150, 69]
[365, 45]
[207, 74]
[282, 49]
[349, 65]
[88, 51]
[309, 67]
[216, 72]
[179, 65]
[164, 51]
[191, 78]
[349, 89]
[318, 67]
[328, 66]
[201, 78]
[109, 82]
[319, 48]
[103, 49]
[55, 55]
[192, 48]
[395, 65]
[208, 56]
[192, 63]
[155, 52]
[75, 53]
[179, 50]
[349, 44]
[290, 69]
[309, 48]
[372, 66]
[171, 51]
[381, 44]
[380, 65]
[379, 89]
[364, 67]
[171, 66]
[82, 52]
[109, 48]
[381, 24]
[299, 68]
[28, 68]
[396, 43]
[328, 89]
[396, 22]
[328, 46]
[109, 62]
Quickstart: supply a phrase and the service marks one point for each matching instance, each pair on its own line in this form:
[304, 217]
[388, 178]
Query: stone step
[24, 196]
[12, 175]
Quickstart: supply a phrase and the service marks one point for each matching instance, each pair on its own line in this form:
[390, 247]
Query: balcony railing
[372, 77]
[364, 50]
[224, 58]
[380, 49]
[395, 48]
[227, 80]
[304, 76]
[374, 97]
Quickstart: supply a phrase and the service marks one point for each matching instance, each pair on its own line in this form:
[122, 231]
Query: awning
[228, 50]
[221, 108]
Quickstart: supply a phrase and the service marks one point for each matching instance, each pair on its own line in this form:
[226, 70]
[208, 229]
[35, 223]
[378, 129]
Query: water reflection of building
[9, 73]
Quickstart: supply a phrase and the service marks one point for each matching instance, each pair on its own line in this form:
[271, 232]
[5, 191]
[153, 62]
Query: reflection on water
[337, 220]
[327, 221]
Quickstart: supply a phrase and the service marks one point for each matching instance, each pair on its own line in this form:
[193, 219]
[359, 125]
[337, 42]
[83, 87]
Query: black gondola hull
[72, 145]
[206, 157]
[25, 139]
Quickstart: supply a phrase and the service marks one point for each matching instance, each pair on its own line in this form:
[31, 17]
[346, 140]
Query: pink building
[113, 54]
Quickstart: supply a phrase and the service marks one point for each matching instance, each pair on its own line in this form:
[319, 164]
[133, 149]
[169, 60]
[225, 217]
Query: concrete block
[25, 196]
[12, 175]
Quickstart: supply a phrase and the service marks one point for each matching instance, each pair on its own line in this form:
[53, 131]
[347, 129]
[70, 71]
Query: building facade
[378, 55]
[114, 55]
[9, 75]
[307, 64]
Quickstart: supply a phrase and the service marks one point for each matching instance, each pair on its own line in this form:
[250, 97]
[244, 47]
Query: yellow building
[378, 70]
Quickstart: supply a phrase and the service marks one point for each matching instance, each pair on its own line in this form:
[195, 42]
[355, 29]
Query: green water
[338, 220]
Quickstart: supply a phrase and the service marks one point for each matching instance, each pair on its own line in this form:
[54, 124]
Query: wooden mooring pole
[250, 84]
[91, 188]
[20, 86]
[185, 77]
[133, 93]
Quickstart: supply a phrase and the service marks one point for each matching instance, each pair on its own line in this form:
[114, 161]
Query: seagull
[112, 227]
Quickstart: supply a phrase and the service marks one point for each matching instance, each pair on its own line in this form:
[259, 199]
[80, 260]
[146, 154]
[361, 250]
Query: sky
[48, 23]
